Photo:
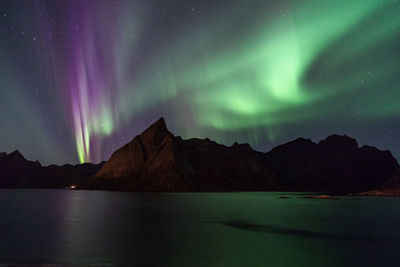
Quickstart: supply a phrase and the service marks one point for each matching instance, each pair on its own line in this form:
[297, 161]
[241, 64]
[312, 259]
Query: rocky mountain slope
[156, 160]
[389, 188]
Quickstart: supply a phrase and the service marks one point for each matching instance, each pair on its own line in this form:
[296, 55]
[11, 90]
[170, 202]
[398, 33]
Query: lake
[196, 229]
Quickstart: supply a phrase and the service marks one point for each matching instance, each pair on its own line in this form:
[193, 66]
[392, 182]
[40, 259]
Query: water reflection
[69, 227]
[274, 229]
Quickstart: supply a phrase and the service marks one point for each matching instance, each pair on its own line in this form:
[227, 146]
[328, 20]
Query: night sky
[78, 79]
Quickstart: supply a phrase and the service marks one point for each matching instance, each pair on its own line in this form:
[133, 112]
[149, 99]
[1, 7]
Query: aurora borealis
[80, 78]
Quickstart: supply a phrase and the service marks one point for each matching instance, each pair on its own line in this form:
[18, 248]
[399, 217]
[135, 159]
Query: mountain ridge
[156, 160]
[18, 172]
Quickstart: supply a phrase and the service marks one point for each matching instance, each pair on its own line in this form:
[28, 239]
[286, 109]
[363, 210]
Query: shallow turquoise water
[197, 229]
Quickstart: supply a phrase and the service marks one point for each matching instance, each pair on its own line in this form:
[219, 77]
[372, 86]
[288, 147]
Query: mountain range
[18, 172]
[156, 160]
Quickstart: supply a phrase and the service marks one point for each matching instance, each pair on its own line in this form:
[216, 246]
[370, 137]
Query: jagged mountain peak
[130, 159]
[157, 126]
[336, 142]
[244, 146]
[298, 145]
[16, 155]
[154, 135]
[156, 160]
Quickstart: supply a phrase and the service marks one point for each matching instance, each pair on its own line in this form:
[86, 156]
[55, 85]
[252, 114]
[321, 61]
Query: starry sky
[80, 78]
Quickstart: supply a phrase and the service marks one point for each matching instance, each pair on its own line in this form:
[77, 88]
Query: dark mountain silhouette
[393, 182]
[156, 160]
[335, 164]
[389, 188]
[17, 172]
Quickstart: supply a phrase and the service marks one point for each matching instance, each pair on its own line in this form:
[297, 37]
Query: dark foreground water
[196, 229]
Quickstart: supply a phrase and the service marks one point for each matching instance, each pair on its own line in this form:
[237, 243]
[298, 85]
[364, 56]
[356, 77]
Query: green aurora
[261, 72]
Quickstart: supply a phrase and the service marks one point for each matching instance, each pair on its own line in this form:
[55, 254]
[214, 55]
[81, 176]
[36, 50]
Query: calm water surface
[196, 229]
